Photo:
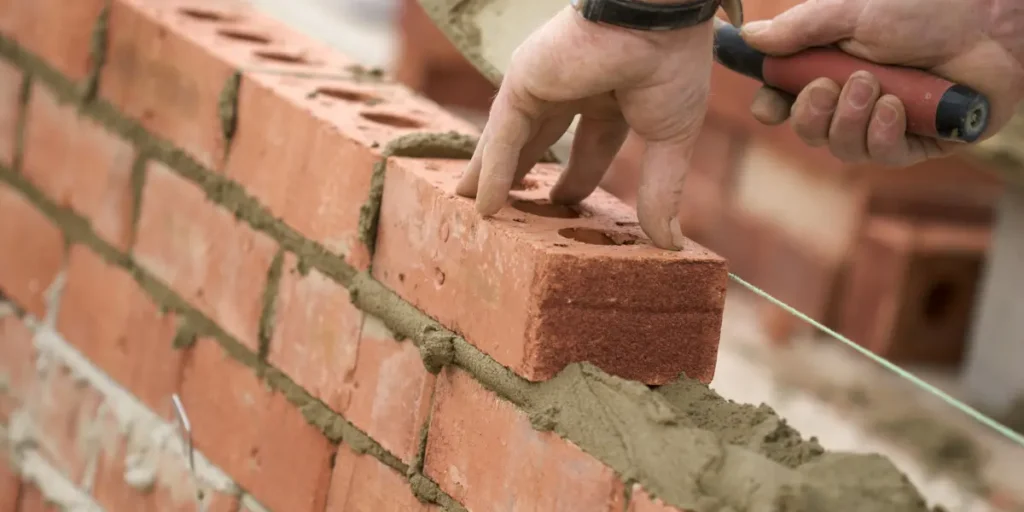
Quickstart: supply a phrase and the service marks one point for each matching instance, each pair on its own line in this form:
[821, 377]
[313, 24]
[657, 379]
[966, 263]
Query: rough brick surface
[537, 292]
[484, 453]
[216, 262]
[357, 368]
[25, 274]
[59, 32]
[17, 360]
[10, 93]
[79, 164]
[125, 334]
[361, 483]
[254, 433]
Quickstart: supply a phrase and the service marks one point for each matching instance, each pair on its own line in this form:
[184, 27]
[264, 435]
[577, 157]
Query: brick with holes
[253, 433]
[363, 483]
[328, 134]
[27, 273]
[185, 53]
[484, 452]
[214, 261]
[911, 290]
[539, 286]
[112, 321]
[349, 360]
[79, 164]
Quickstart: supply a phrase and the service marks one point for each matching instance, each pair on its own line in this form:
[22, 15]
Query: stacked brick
[199, 202]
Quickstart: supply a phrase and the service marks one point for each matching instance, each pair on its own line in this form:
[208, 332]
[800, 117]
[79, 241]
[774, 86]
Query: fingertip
[770, 107]
[886, 138]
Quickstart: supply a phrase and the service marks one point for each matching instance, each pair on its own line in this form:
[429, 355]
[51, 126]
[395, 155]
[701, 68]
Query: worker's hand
[653, 82]
[962, 40]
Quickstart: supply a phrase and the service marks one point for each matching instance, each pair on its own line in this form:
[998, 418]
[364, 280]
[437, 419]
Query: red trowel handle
[935, 106]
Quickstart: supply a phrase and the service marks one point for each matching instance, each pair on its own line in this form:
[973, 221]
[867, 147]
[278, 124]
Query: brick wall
[199, 203]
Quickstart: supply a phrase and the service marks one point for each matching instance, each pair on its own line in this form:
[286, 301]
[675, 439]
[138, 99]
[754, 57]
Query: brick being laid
[541, 285]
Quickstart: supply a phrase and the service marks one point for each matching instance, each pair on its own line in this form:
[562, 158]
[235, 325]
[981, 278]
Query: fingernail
[860, 93]
[886, 114]
[823, 100]
[755, 27]
[678, 240]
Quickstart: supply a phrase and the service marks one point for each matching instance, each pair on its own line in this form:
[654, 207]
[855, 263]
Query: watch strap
[647, 16]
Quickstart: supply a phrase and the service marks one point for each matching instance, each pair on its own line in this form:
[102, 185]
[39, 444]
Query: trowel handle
[935, 106]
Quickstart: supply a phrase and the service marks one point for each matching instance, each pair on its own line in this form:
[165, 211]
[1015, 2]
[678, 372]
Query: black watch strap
[640, 15]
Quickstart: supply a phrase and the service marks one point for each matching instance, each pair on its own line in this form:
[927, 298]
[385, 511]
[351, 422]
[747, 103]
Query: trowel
[487, 32]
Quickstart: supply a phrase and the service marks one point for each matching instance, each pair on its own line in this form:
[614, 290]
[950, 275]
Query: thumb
[812, 23]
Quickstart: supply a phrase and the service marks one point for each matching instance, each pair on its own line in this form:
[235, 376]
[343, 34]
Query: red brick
[214, 261]
[112, 321]
[172, 489]
[316, 334]
[376, 382]
[361, 483]
[10, 486]
[59, 32]
[10, 91]
[316, 130]
[17, 364]
[79, 164]
[169, 61]
[63, 408]
[910, 293]
[32, 500]
[25, 274]
[641, 502]
[167, 83]
[536, 300]
[254, 434]
[484, 453]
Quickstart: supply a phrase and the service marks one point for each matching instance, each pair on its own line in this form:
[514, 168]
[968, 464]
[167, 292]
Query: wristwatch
[639, 15]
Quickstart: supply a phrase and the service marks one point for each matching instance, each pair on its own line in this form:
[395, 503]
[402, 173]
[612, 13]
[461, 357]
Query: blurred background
[896, 260]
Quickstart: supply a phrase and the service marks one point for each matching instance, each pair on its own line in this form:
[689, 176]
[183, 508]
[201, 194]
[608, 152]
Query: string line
[915, 380]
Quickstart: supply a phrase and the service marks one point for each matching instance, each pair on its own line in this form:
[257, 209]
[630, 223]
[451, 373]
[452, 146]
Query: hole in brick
[244, 36]
[596, 237]
[553, 211]
[281, 56]
[938, 301]
[341, 93]
[528, 183]
[394, 120]
[201, 14]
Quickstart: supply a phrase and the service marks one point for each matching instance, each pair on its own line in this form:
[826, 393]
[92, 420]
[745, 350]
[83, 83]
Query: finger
[548, 134]
[811, 23]
[888, 142]
[510, 130]
[470, 180]
[595, 145]
[813, 109]
[771, 106]
[847, 136]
